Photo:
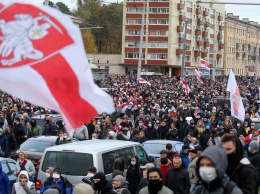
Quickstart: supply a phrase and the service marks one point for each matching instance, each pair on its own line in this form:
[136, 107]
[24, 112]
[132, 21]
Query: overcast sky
[244, 11]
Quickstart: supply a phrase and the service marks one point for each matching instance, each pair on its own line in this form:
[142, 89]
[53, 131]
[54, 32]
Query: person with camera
[62, 138]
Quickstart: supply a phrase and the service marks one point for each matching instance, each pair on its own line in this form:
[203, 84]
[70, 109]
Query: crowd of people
[219, 154]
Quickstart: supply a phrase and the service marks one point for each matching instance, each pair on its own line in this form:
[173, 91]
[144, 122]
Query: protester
[34, 129]
[4, 182]
[192, 168]
[12, 144]
[163, 154]
[132, 174]
[23, 185]
[144, 181]
[3, 145]
[119, 167]
[101, 185]
[81, 133]
[82, 188]
[120, 185]
[210, 168]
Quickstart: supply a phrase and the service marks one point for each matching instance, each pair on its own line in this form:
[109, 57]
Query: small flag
[185, 86]
[143, 81]
[204, 64]
[124, 107]
[198, 72]
[200, 80]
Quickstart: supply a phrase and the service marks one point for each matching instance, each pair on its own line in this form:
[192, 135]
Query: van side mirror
[151, 159]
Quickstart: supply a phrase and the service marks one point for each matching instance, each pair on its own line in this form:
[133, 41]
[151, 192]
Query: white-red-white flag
[143, 81]
[124, 107]
[185, 86]
[200, 80]
[204, 64]
[237, 107]
[43, 61]
[198, 72]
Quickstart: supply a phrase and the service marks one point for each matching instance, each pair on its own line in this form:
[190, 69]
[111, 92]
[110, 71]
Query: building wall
[164, 33]
[242, 37]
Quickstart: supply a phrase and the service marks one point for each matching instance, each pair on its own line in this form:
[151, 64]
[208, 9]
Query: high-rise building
[164, 34]
[241, 40]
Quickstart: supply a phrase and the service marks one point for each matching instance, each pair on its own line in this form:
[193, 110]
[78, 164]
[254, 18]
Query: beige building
[164, 34]
[241, 40]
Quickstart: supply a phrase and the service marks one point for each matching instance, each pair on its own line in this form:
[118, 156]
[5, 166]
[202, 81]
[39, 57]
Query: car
[35, 147]
[8, 166]
[41, 119]
[153, 147]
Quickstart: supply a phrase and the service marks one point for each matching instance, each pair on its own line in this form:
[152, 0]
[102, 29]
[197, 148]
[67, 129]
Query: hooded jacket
[218, 157]
[5, 183]
[28, 189]
[122, 189]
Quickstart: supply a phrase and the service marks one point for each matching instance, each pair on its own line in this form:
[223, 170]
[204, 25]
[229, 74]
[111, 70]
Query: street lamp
[186, 21]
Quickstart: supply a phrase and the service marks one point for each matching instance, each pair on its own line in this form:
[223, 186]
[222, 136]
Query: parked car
[35, 147]
[8, 166]
[41, 119]
[153, 147]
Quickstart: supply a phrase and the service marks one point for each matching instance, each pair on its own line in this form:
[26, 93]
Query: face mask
[200, 123]
[252, 127]
[65, 137]
[140, 124]
[208, 174]
[133, 163]
[129, 108]
[149, 125]
[238, 125]
[158, 122]
[33, 124]
[191, 124]
[56, 176]
[181, 119]
[23, 179]
[47, 175]
[48, 121]
[98, 123]
[249, 150]
[61, 138]
[90, 175]
[147, 119]
[155, 186]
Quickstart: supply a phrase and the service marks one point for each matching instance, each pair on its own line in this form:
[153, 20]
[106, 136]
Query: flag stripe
[63, 80]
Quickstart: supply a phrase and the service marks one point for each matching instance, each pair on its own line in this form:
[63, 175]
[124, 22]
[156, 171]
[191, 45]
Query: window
[133, 56]
[158, 32]
[155, 56]
[134, 32]
[188, 15]
[109, 158]
[189, 4]
[33, 145]
[142, 156]
[134, 10]
[158, 21]
[157, 44]
[159, 10]
[131, 44]
[133, 21]
[63, 160]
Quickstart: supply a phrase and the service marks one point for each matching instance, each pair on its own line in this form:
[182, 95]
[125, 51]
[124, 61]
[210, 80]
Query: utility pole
[257, 59]
[46, 2]
[214, 58]
[184, 47]
[139, 67]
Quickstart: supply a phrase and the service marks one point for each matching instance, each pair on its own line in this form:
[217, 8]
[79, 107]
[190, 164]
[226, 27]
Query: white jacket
[28, 189]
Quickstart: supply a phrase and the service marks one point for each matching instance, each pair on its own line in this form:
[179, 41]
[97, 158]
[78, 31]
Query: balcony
[180, 6]
[199, 43]
[178, 51]
[180, 40]
[219, 37]
[204, 54]
[204, 34]
[207, 24]
[181, 17]
[198, 11]
[206, 44]
[179, 28]
[221, 28]
[187, 64]
[199, 22]
[219, 56]
[188, 31]
[197, 32]
[220, 18]
[188, 53]
[197, 53]
[205, 13]
[220, 46]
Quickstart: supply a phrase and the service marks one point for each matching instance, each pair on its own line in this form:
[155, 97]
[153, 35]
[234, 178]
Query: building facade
[242, 38]
[164, 34]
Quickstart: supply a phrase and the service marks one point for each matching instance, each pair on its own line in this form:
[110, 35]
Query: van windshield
[69, 162]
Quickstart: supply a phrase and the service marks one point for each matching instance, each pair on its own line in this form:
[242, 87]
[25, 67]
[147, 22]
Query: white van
[75, 159]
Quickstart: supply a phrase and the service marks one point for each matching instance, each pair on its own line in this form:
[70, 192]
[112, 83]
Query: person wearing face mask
[204, 138]
[4, 182]
[57, 180]
[192, 128]
[155, 183]
[163, 130]
[12, 144]
[88, 179]
[23, 186]
[102, 186]
[240, 170]
[210, 168]
[24, 164]
[240, 129]
[81, 133]
[181, 125]
[48, 174]
[151, 133]
[132, 175]
[50, 128]
[34, 129]
[172, 134]
[3, 145]
[144, 181]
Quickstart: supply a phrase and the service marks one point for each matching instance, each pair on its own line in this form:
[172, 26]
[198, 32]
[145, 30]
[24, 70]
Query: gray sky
[244, 11]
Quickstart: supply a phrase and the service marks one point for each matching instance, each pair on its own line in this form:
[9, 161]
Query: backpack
[227, 190]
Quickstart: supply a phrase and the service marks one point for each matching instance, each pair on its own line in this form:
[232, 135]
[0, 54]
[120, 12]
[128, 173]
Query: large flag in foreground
[43, 61]
[237, 107]
[185, 86]
[204, 64]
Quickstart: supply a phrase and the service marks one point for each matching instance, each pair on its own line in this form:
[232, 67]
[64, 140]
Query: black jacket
[255, 160]
[107, 189]
[192, 129]
[12, 144]
[204, 138]
[162, 131]
[172, 135]
[181, 126]
[133, 177]
[151, 133]
[50, 129]
[177, 179]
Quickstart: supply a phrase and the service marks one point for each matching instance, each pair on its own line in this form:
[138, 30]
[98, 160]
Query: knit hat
[234, 130]
[51, 191]
[193, 151]
[83, 188]
[154, 169]
[99, 175]
[254, 144]
[120, 178]
[58, 170]
[24, 153]
[87, 180]
[92, 169]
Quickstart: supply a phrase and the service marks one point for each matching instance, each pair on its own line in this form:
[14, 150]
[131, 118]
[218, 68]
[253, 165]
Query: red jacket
[164, 168]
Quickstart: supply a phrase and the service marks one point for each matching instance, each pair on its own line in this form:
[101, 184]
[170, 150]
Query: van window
[142, 156]
[67, 163]
[110, 157]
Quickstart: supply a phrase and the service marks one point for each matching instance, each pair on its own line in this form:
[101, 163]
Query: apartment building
[164, 34]
[241, 39]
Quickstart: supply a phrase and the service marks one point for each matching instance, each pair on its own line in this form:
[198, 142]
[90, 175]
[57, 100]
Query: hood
[215, 154]
[24, 172]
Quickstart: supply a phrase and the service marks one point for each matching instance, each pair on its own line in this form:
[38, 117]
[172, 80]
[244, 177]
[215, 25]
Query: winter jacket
[64, 185]
[107, 189]
[4, 144]
[255, 160]
[81, 133]
[12, 144]
[29, 167]
[164, 168]
[29, 187]
[192, 171]
[218, 186]
[157, 162]
[35, 131]
[151, 133]
[208, 123]
[177, 179]
[4, 182]
[50, 129]
[181, 126]
[185, 159]
[122, 189]
[192, 129]
[172, 134]
[162, 131]
[132, 177]
[164, 190]
[204, 138]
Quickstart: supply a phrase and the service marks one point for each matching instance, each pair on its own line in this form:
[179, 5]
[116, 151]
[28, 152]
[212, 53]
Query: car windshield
[34, 145]
[154, 148]
[67, 163]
